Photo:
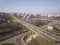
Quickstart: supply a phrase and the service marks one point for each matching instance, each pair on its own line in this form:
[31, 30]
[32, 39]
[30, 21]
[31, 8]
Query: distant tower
[27, 19]
[42, 14]
[23, 16]
[49, 15]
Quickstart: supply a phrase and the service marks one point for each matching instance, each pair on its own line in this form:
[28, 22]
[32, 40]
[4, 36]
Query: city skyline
[30, 6]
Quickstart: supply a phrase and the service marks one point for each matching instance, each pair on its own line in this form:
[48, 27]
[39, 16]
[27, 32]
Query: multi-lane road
[40, 31]
[18, 40]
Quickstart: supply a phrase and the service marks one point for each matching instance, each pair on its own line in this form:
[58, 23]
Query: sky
[30, 6]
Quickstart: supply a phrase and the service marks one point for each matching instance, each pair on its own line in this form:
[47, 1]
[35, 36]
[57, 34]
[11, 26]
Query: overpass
[40, 31]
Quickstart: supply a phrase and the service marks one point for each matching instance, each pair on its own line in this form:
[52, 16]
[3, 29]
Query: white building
[50, 28]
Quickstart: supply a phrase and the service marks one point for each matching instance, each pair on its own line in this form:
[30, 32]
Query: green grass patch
[39, 41]
[28, 35]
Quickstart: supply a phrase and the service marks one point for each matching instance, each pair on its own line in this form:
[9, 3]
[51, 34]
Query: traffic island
[39, 41]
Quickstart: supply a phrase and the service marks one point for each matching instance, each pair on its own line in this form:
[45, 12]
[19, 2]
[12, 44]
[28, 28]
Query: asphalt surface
[16, 40]
[38, 30]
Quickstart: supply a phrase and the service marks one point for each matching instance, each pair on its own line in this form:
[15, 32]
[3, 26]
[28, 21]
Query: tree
[56, 29]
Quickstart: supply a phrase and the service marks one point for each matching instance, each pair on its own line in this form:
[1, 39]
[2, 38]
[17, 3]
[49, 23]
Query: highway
[18, 40]
[40, 31]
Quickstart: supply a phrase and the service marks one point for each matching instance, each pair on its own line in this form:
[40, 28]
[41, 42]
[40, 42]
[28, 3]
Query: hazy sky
[32, 6]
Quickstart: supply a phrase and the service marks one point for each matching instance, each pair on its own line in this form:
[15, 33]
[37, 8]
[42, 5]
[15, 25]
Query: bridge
[40, 31]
